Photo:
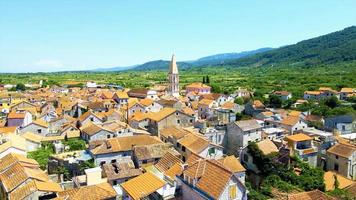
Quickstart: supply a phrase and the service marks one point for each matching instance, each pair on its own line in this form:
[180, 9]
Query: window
[108, 136]
[336, 157]
[113, 161]
[232, 191]
[183, 148]
[191, 121]
[102, 163]
[39, 130]
[343, 127]
[336, 167]
[178, 121]
[92, 119]
[144, 161]
[114, 183]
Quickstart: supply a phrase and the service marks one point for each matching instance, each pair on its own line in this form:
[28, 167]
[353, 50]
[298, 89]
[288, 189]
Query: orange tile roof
[175, 170]
[347, 90]
[232, 163]
[100, 191]
[198, 86]
[124, 143]
[211, 177]
[312, 92]
[174, 131]
[165, 112]
[329, 180]
[267, 147]
[8, 129]
[342, 150]
[205, 102]
[167, 161]
[146, 102]
[143, 185]
[258, 104]
[290, 120]
[194, 143]
[299, 137]
[15, 115]
[228, 105]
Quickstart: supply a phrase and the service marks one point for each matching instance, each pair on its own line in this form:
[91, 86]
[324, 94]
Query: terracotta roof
[232, 163]
[247, 125]
[312, 92]
[197, 85]
[151, 151]
[329, 180]
[228, 105]
[165, 112]
[121, 170]
[8, 129]
[188, 111]
[16, 115]
[173, 131]
[298, 137]
[169, 159]
[258, 104]
[100, 191]
[342, 150]
[124, 143]
[211, 177]
[13, 158]
[347, 90]
[351, 189]
[294, 113]
[175, 170]
[281, 93]
[146, 102]
[122, 95]
[206, 102]
[32, 186]
[311, 195]
[92, 129]
[194, 143]
[86, 115]
[14, 141]
[267, 146]
[290, 120]
[41, 122]
[143, 185]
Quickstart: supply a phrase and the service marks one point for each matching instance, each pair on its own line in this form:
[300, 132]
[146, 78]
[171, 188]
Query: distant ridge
[331, 48]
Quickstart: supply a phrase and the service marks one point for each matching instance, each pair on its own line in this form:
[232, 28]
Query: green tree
[274, 101]
[20, 87]
[332, 102]
[239, 100]
[75, 144]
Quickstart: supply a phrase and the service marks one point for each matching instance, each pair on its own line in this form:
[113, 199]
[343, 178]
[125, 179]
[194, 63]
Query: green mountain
[335, 47]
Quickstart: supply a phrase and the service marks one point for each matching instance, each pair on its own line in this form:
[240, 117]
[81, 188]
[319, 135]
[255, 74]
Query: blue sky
[42, 35]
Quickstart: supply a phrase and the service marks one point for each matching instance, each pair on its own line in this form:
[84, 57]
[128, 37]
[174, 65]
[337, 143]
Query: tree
[239, 101]
[207, 79]
[332, 102]
[274, 101]
[20, 87]
[203, 79]
[75, 144]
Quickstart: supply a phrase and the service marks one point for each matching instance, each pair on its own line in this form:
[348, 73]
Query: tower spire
[173, 69]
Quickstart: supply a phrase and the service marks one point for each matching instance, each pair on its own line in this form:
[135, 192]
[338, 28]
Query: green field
[222, 79]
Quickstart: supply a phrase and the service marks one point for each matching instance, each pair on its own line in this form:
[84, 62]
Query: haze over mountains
[212, 60]
[334, 47]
